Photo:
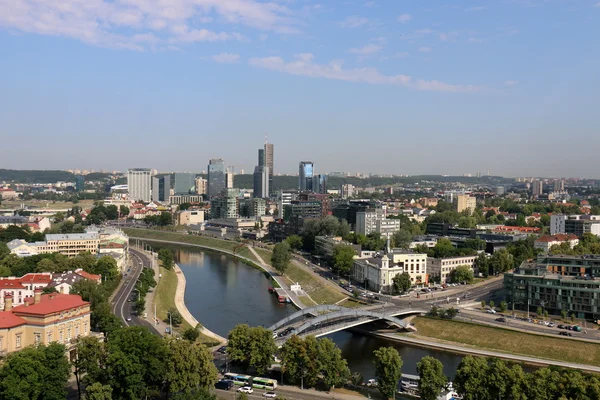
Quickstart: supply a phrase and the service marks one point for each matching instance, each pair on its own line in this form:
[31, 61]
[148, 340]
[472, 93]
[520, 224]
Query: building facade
[161, 188]
[465, 202]
[184, 182]
[375, 221]
[261, 182]
[216, 177]
[347, 191]
[139, 184]
[575, 224]
[439, 269]
[305, 176]
[201, 185]
[269, 161]
[557, 283]
[546, 242]
[191, 217]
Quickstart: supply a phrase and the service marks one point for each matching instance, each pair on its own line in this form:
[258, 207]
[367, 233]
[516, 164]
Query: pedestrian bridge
[326, 319]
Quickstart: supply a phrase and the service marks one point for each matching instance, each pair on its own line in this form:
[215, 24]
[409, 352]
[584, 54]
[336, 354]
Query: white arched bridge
[326, 319]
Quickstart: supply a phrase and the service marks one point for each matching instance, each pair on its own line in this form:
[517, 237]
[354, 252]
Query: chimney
[8, 305]
[37, 296]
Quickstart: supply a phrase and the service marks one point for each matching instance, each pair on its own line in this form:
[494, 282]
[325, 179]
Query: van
[224, 384]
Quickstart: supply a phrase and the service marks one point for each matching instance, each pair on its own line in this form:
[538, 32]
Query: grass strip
[508, 341]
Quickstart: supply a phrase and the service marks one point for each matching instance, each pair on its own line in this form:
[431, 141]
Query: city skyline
[373, 86]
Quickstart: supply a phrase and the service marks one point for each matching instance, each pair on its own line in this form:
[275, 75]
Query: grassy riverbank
[218, 244]
[165, 299]
[508, 341]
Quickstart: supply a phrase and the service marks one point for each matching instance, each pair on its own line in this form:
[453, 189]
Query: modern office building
[284, 198]
[375, 221]
[226, 205]
[261, 158]
[270, 162]
[305, 176]
[557, 283]
[465, 202]
[304, 209]
[575, 224]
[79, 183]
[201, 185]
[229, 176]
[261, 182]
[184, 182]
[139, 184]
[320, 184]
[216, 177]
[161, 188]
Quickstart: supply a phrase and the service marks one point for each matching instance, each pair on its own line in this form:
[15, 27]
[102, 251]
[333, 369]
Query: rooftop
[10, 320]
[71, 236]
[562, 237]
[51, 304]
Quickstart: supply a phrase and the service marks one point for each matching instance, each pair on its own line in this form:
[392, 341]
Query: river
[222, 292]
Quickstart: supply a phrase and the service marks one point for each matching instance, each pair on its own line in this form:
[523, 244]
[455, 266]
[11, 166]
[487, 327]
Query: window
[1, 344]
[68, 333]
[85, 328]
[77, 331]
[49, 337]
[18, 340]
[37, 337]
[61, 338]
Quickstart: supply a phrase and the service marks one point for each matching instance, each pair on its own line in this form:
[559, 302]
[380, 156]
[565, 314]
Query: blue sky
[404, 87]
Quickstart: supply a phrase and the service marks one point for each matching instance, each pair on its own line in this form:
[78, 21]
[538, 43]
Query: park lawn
[264, 254]
[307, 301]
[183, 238]
[318, 291]
[351, 303]
[164, 298]
[66, 205]
[508, 341]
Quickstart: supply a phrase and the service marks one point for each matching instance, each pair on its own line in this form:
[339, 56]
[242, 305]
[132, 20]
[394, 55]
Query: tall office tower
[305, 176]
[261, 182]
[139, 184]
[229, 178]
[201, 184]
[320, 183]
[537, 188]
[161, 188]
[184, 182]
[261, 158]
[269, 161]
[216, 177]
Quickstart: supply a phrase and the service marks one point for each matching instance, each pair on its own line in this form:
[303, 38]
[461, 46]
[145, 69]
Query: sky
[372, 86]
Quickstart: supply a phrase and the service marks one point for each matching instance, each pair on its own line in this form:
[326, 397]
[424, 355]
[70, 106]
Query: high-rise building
[305, 176]
[161, 188]
[226, 205]
[537, 188]
[229, 176]
[465, 202]
[347, 191]
[559, 185]
[79, 183]
[261, 158]
[261, 182]
[139, 184]
[184, 182]
[269, 162]
[216, 177]
[320, 184]
[200, 184]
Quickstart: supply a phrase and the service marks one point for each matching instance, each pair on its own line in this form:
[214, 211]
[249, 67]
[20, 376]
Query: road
[122, 306]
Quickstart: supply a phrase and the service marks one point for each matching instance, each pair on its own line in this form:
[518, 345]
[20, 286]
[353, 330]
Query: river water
[222, 292]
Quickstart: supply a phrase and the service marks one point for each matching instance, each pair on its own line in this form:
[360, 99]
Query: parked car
[224, 385]
[563, 333]
[501, 319]
[128, 319]
[245, 389]
[270, 395]
[561, 326]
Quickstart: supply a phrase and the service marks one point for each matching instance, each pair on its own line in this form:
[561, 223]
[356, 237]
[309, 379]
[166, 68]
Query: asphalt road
[122, 307]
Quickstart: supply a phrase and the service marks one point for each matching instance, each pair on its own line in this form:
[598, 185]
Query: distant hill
[35, 176]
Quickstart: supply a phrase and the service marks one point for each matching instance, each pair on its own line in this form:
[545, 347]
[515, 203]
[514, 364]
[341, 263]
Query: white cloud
[476, 8]
[370, 4]
[226, 58]
[510, 83]
[366, 50]
[404, 18]
[304, 65]
[118, 23]
[353, 22]
[474, 40]
[425, 49]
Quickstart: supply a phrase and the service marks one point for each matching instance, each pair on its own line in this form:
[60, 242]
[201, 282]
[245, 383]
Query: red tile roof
[89, 276]
[10, 320]
[561, 237]
[10, 284]
[36, 278]
[51, 304]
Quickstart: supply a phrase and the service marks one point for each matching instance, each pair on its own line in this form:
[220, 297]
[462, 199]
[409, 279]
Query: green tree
[334, 368]
[470, 378]
[281, 257]
[98, 391]
[192, 334]
[253, 347]
[481, 264]
[88, 366]
[175, 317]
[166, 258]
[189, 367]
[402, 238]
[343, 258]
[123, 210]
[431, 378]
[46, 265]
[388, 369]
[401, 282]
[136, 363]
[294, 241]
[4, 250]
[462, 273]
[492, 304]
[564, 314]
[501, 261]
[503, 306]
[21, 375]
[343, 229]
[539, 311]
[59, 217]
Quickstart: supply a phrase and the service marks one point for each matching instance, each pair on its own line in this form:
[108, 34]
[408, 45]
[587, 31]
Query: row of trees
[588, 244]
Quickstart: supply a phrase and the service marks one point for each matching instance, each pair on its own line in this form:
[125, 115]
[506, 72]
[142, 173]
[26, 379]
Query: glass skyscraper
[184, 182]
[305, 176]
[161, 188]
[216, 177]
